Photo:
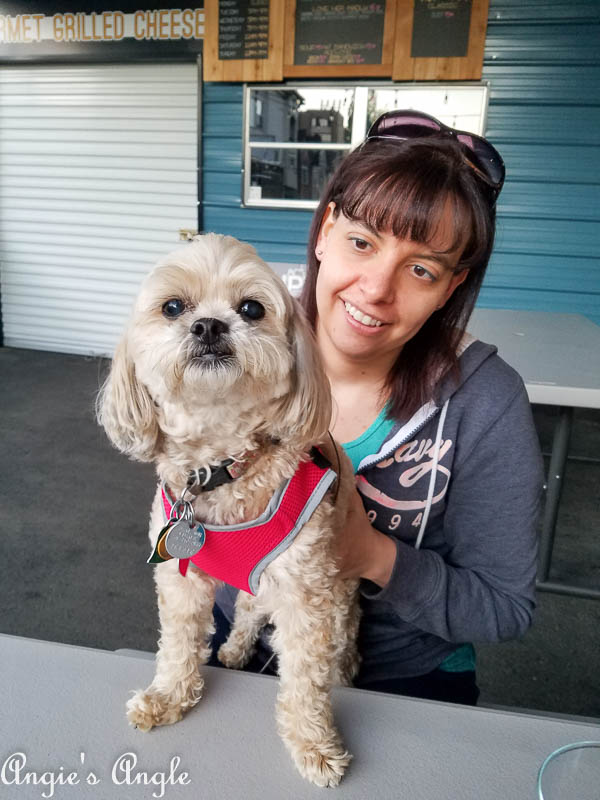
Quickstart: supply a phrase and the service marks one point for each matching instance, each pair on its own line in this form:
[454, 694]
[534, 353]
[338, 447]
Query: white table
[558, 357]
[64, 707]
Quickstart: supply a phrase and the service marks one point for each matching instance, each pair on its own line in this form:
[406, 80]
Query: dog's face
[212, 318]
[213, 327]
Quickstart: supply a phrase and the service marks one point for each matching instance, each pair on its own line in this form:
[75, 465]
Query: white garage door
[98, 172]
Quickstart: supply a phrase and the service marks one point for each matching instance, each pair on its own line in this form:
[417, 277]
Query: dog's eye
[251, 309]
[173, 308]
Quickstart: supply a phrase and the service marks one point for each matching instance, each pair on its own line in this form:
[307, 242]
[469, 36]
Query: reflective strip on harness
[239, 554]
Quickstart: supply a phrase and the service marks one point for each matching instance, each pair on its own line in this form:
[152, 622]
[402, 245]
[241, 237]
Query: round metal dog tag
[185, 540]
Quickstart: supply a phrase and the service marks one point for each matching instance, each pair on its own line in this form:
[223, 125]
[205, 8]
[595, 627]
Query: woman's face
[375, 291]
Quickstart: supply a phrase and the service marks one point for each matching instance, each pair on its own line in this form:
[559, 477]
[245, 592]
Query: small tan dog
[218, 365]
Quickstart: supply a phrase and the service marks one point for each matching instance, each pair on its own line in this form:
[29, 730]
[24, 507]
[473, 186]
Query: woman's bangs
[410, 209]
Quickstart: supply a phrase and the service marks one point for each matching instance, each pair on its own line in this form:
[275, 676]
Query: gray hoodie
[465, 474]
[458, 487]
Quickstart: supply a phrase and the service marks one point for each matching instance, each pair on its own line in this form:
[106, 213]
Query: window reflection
[290, 174]
[296, 134]
[301, 115]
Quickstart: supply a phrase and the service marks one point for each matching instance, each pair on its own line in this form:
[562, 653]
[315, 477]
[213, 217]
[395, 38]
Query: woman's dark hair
[403, 188]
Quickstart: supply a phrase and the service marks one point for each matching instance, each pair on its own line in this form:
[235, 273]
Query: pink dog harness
[239, 554]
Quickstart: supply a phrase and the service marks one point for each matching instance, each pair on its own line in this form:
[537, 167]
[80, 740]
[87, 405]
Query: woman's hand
[362, 551]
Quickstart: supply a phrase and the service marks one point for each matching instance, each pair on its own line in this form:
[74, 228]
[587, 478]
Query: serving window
[296, 134]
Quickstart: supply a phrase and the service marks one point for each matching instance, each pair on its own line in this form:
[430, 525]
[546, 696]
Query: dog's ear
[306, 411]
[125, 409]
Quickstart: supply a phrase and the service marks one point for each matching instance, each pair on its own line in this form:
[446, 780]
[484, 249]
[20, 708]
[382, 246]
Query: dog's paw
[147, 709]
[233, 656]
[324, 764]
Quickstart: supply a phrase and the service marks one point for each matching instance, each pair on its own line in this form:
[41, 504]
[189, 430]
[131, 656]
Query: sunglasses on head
[485, 160]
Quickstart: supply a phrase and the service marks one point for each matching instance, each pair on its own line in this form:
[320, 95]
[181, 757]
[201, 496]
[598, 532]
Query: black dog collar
[207, 478]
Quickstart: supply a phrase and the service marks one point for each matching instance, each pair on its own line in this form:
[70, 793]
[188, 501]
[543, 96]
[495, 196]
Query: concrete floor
[74, 540]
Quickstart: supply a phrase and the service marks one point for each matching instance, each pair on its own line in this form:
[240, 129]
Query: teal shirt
[463, 658]
[370, 441]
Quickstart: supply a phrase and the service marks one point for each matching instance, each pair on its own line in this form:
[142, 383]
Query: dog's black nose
[209, 329]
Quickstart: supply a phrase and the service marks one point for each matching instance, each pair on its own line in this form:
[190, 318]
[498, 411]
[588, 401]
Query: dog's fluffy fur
[168, 399]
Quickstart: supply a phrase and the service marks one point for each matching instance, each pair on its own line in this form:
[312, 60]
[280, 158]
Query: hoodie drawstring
[436, 458]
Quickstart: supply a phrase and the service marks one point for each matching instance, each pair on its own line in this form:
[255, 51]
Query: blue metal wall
[542, 58]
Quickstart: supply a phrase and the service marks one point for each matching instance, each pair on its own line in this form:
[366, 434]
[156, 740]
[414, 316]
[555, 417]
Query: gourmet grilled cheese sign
[47, 31]
[107, 26]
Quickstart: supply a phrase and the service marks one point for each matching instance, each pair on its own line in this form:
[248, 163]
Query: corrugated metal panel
[223, 188]
[509, 270]
[526, 300]
[529, 84]
[542, 59]
[547, 124]
[561, 163]
[512, 10]
[542, 237]
[224, 154]
[562, 201]
[99, 172]
[281, 227]
[541, 42]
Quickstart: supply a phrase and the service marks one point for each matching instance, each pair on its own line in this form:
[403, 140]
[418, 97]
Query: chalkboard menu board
[410, 40]
[339, 32]
[439, 40]
[243, 29]
[441, 28]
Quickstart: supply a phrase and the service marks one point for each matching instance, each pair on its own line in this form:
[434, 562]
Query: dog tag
[184, 539]
[160, 554]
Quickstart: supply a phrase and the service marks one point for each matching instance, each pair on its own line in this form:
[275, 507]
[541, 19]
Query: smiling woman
[374, 292]
[442, 529]
[406, 209]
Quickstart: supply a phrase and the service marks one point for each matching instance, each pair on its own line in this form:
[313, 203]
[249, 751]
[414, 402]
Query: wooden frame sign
[243, 40]
[408, 40]
[439, 40]
[338, 38]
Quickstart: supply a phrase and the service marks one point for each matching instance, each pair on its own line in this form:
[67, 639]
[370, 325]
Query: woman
[439, 428]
